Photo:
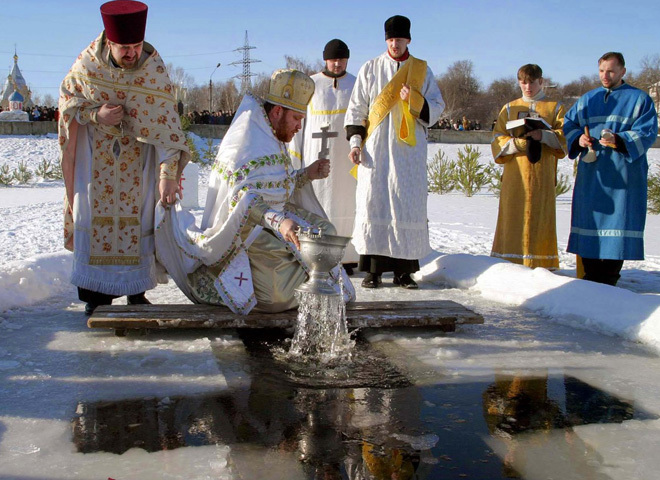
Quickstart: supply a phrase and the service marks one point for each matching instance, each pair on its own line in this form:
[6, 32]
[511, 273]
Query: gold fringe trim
[130, 221]
[114, 260]
[127, 85]
[103, 221]
[123, 221]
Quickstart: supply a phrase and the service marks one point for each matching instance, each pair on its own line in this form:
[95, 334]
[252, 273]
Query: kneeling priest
[246, 253]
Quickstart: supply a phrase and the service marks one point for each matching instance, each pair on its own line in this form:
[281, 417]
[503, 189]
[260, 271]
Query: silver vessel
[322, 253]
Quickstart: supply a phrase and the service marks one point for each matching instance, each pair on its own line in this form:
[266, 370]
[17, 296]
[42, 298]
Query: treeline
[464, 94]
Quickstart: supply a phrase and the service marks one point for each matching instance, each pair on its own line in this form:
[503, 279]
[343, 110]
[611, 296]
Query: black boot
[349, 267]
[94, 299]
[405, 281]
[89, 308]
[137, 299]
[372, 280]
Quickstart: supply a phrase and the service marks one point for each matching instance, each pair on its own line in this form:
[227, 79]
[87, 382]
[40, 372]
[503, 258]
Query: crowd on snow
[211, 118]
[40, 113]
[462, 125]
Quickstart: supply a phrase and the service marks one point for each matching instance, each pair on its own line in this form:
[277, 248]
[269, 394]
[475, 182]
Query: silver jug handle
[311, 232]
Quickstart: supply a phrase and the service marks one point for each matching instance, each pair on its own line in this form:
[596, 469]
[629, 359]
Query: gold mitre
[290, 89]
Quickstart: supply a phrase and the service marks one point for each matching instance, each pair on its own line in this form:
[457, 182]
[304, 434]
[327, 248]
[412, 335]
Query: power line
[38, 54]
[246, 75]
[198, 54]
[69, 56]
[45, 71]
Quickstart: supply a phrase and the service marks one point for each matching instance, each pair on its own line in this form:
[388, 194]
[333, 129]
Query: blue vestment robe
[609, 196]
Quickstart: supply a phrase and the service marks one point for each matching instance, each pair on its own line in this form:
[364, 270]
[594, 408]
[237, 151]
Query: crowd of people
[462, 125]
[221, 117]
[336, 153]
[41, 113]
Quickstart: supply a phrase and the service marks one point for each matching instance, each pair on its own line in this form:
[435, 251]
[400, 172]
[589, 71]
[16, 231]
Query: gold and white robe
[111, 173]
[526, 230]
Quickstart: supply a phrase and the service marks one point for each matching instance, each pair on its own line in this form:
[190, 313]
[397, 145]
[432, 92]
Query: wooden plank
[425, 313]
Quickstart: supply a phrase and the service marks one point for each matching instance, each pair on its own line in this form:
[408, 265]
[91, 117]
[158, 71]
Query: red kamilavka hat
[124, 21]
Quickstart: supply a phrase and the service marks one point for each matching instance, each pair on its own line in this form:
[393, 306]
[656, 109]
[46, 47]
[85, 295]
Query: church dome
[16, 97]
[15, 82]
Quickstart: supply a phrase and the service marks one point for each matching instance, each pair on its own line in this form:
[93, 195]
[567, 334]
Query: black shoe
[371, 281]
[138, 299]
[349, 267]
[89, 308]
[405, 281]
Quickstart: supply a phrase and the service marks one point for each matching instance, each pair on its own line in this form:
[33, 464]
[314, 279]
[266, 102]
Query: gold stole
[412, 73]
[116, 199]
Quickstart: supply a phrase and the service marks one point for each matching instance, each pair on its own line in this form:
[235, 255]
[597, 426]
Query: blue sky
[564, 37]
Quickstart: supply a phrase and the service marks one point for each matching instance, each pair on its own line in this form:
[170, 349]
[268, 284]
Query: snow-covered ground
[35, 266]
[534, 320]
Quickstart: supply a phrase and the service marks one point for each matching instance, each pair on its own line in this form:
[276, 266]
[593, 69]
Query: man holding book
[528, 140]
[610, 128]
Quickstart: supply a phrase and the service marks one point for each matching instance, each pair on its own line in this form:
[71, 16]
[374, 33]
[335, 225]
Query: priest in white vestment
[394, 101]
[322, 137]
[246, 253]
[122, 150]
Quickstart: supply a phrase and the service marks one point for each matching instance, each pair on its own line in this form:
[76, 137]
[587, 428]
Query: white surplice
[391, 217]
[336, 193]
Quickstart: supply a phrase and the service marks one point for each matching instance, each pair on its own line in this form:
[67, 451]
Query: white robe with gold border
[390, 217]
[336, 193]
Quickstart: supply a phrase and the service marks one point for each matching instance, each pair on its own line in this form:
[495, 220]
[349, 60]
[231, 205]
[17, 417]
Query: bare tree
[569, 93]
[49, 100]
[499, 93]
[304, 66]
[229, 96]
[197, 98]
[649, 73]
[182, 83]
[178, 76]
[460, 88]
[260, 85]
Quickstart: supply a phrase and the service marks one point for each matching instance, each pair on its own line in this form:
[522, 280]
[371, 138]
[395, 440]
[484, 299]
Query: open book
[520, 127]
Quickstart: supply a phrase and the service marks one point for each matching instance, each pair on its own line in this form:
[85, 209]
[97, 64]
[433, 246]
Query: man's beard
[331, 74]
[280, 132]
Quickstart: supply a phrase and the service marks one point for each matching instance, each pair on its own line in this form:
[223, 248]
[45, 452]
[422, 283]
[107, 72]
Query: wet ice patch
[43, 449]
[420, 442]
[446, 353]
[106, 367]
[8, 364]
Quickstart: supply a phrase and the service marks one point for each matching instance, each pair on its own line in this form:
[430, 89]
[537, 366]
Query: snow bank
[578, 303]
[28, 282]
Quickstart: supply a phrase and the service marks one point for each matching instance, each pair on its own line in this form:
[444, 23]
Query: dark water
[365, 419]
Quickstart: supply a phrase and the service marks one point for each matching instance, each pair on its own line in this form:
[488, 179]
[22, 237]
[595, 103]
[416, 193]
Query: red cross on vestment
[240, 279]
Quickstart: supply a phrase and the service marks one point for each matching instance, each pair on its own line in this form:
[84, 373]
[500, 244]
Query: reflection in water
[365, 420]
[517, 404]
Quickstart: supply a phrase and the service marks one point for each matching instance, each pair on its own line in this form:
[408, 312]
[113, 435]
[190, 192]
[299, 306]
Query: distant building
[15, 112]
[15, 101]
[15, 83]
